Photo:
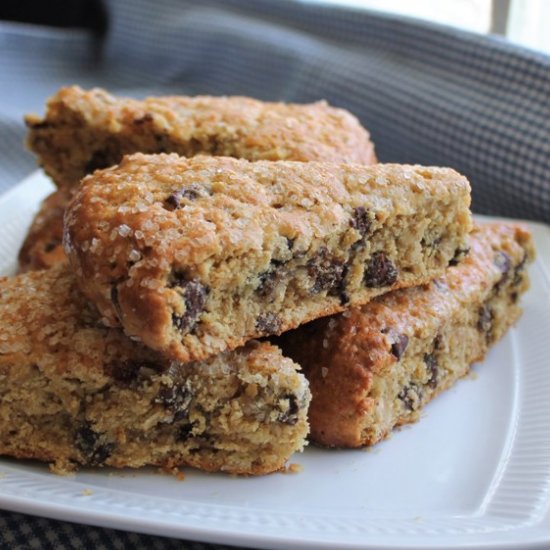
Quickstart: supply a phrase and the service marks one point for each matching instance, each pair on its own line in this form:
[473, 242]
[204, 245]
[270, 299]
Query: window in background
[529, 23]
[525, 22]
[472, 15]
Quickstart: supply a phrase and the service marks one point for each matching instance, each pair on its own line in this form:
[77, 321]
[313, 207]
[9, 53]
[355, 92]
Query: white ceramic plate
[475, 472]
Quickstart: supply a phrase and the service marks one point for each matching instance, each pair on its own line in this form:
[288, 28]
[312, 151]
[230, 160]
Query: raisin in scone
[43, 246]
[85, 130]
[194, 256]
[373, 368]
[74, 393]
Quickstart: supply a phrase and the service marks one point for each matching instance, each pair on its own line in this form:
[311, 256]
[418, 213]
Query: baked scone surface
[43, 245]
[84, 130]
[375, 367]
[194, 256]
[74, 393]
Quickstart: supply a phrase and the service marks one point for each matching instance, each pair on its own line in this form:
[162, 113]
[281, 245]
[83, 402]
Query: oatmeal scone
[43, 246]
[74, 393]
[194, 256]
[373, 368]
[85, 130]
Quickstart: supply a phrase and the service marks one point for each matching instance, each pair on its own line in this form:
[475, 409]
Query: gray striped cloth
[428, 94]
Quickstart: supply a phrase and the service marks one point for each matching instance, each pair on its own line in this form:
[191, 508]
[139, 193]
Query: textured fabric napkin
[428, 94]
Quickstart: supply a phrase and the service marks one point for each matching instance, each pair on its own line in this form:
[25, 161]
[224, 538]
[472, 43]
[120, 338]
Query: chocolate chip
[270, 279]
[327, 273]
[518, 271]
[360, 221]
[89, 443]
[432, 364]
[411, 396]
[175, 398]
[194, 295]
[185, 431]
[99, 159]
[268, 323]
[459, 255]
[399, 342]
[340, 290]
[400, 345]
[290, 243]
[172, 201]
[290, 415]
[163, 143]
[178, 279]
[379, 271]
[190, 192]
[485, 320]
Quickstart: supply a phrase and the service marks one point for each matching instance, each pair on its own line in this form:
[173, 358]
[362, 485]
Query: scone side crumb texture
[43, 247]
[197, 255]
[84, 130]
[376, 367]
[74, 393]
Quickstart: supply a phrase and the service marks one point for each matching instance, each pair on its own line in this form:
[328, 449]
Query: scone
[43, 246]
[74, 393]
[85, 130]
[373, 368]
[195, 256]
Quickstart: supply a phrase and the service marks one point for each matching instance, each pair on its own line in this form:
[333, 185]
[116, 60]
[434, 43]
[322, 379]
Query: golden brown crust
[73, 392]
[197, 255]
[409, 345]
[43, 246]
[85, 130]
